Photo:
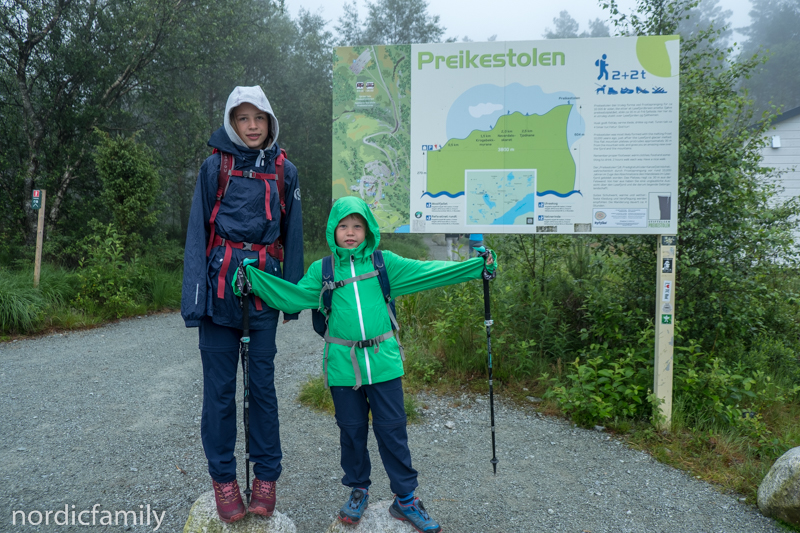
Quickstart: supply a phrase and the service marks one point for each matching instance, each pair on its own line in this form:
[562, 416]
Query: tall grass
[24, 309]
[21, 306]
[163, 289]
[58, 302]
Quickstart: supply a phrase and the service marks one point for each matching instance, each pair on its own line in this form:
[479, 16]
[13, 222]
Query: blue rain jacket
[241, 218]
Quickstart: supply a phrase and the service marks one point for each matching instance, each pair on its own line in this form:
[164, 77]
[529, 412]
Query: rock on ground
[376, 519]
[203, 519]
[779, 492]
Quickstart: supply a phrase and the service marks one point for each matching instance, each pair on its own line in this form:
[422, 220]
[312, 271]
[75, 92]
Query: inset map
[500, 197]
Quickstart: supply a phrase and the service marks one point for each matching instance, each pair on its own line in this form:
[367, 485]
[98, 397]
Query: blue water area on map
[560, 195]
[523, 207]
[510, 176]
[443, 193]
[403, 229]
[488, 201]
[513, 98]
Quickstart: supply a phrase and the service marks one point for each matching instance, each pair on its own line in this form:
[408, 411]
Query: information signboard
[555, 136]
[36, 200]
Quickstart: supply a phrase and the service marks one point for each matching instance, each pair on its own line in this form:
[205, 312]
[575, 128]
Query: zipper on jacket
[360, 317]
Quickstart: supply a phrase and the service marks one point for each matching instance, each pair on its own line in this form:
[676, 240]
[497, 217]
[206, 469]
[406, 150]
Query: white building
[783, 152]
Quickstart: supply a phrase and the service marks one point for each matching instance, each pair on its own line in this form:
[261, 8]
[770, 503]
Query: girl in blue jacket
[245, 223]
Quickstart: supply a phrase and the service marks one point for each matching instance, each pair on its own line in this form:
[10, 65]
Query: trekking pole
[243, 284]
[488, 323]
[487, 313]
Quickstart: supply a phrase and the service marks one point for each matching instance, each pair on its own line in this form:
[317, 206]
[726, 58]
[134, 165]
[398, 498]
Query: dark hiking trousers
[219, 349]
[385, 400]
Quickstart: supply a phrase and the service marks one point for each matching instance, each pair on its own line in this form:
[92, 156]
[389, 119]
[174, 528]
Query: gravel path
[107, 417]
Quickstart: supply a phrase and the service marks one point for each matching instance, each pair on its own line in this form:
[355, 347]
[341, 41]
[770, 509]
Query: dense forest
[159, 71]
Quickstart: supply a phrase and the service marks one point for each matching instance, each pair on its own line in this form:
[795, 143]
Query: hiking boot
[415, 513]
[262, 500]
[230, 506]
[351, 511]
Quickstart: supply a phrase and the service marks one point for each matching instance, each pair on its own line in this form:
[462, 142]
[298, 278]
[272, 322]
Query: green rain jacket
[358, 311]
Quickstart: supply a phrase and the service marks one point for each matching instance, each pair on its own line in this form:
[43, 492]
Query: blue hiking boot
[415, 513]
[351, 511]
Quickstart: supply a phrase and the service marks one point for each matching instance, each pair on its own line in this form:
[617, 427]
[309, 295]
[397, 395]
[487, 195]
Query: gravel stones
[146, 379]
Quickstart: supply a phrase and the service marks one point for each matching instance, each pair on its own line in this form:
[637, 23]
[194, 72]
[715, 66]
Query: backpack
[320, 316]
[275, 249]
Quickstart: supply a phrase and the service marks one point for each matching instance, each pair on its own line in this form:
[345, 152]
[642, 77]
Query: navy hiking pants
[385, 400]
[219, 349]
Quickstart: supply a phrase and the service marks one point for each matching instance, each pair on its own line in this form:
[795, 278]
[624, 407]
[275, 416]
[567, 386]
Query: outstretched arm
[283, 295]
[408, 276]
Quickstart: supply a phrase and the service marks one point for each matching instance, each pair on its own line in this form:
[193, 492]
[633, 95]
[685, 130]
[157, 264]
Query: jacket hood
[347, 206]
[251, 95]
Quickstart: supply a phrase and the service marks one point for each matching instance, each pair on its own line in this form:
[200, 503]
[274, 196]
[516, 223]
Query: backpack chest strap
[251, 174]
[333, 285]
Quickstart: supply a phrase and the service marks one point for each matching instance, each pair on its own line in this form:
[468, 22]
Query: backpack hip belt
[375, 341]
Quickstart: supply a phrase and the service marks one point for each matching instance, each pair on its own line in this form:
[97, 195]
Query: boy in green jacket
[364, 379]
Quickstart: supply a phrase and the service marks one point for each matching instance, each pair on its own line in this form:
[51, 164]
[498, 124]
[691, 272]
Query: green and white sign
[558, 136]
[36, 199]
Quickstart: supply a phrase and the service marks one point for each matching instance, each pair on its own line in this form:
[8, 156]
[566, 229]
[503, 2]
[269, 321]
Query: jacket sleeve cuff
[192, 323]
[292, 316]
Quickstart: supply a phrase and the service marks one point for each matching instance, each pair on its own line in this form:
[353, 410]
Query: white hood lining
[251, 95]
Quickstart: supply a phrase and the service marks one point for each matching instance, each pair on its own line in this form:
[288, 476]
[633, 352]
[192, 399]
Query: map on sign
[529, 129]
[557, 136]
[500, 196]
[371, 129]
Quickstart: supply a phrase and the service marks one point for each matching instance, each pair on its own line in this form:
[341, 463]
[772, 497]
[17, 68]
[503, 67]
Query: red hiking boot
[230, 506]
[262, 500]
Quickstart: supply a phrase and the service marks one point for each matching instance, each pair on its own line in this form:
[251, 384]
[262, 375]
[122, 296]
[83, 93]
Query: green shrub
[422, 365]
[607, 383]
[106, 280]
[21, 305]
[130, 184]
[710, 389]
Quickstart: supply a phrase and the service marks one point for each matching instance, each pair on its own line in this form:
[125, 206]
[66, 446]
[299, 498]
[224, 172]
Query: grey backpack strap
[325, 364]
[333, 285]
[396, 327]
[353, 359]
[368, 275]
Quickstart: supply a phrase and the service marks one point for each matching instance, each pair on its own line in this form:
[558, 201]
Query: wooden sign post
[665, 326]
[37, 203]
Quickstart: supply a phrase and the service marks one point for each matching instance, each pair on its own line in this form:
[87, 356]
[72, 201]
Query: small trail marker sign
[36, 200]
